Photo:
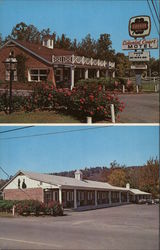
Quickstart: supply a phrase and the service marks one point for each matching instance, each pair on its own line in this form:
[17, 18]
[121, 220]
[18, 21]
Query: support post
[72, 78]
[13, 210]
[110, 200]
[112, 113]
[113, 74]
[155, 87]
[86, 74]
[96, 198]
[89, 119]
[137, 89]
[98, 73]
[75, 198]
[127, 197]
[120, 197]
[123, 90]
[60, 195]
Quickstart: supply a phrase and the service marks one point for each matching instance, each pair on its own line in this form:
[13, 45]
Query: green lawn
[37, 117]
[4, 214]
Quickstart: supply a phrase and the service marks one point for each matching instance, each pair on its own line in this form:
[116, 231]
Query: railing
[81, 60]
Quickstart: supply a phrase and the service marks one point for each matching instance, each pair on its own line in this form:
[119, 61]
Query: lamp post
[11, 66]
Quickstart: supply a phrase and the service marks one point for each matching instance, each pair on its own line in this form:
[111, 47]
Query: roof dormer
[48, 41]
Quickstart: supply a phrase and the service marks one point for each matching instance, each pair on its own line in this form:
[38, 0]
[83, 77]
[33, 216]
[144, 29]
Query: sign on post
[141, 56]
[139, 66]
[140, 44]
[139, 26]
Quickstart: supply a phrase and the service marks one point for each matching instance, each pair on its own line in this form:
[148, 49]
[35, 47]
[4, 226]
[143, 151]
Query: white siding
[29, 183]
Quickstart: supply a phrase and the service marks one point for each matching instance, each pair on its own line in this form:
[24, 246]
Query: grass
[37, 117]
[4, 215]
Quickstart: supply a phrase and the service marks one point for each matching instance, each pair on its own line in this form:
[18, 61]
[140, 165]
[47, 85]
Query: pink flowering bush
[91, 100]
[84, 100]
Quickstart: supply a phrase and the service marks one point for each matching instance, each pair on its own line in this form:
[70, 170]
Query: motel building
[46, 63]
[76, 193]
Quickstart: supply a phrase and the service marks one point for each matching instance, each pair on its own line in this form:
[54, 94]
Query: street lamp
[11, 66]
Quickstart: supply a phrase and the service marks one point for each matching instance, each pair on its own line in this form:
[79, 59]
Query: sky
[77, 18]
[129, 145]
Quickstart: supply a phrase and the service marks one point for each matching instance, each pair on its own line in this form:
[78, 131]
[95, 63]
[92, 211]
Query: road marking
[31, 242]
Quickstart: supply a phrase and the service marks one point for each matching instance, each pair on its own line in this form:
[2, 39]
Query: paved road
[140, 108]
[129, 227]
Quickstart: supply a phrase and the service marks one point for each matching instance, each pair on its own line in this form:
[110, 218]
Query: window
[19, 183]
[59, 74]
[24, 184]
[8, 75]
[37, 75]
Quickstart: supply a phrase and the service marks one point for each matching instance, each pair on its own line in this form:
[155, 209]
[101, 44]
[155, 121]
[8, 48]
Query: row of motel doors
[84, 197]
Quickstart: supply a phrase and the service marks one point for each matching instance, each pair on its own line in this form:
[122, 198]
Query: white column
[113, 74]
[120, 197]
[86, 74]
[75, 198]
[127, 196]
[72, 77]
[53, 195]
[96, 198]
[110, 200]
[60, 195]
[98, 73]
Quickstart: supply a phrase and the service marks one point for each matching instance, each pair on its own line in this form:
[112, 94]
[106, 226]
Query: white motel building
[71, 192]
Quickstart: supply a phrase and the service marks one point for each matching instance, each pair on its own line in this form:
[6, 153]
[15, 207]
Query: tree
[87, 47]
[104, 48]
[1, 40]
[117, 177]
[122, 65]
[63, 42]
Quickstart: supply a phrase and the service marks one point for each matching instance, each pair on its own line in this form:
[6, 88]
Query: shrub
[17, 102]
[91, 100]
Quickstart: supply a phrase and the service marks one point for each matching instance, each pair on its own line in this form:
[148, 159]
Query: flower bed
[84, 100]
[32, 207]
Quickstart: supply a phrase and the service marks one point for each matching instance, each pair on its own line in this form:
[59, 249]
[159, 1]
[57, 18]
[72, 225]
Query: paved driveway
[140, 108]
[128, 227]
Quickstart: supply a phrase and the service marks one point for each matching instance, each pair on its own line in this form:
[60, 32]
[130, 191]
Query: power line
[11, 130]
[15, 183]
[155, 10]
[152, 16]
[54, 133]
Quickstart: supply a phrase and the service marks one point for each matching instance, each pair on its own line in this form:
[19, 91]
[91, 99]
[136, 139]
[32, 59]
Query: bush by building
[32, 207]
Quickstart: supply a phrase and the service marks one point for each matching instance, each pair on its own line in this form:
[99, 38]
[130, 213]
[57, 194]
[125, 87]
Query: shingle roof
[137, 191]
[68, 181]
[40, 50]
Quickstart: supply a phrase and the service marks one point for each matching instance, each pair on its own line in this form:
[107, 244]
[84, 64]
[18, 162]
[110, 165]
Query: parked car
[142, 201]
[156, 201]
[149, 202]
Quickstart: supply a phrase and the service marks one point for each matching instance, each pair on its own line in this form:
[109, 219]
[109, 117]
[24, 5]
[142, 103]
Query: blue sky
[129, 145]
[76, 18]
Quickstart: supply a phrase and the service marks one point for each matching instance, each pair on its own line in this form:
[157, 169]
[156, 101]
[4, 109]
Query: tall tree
[63, 42]
[122, 65]
[87, 47]
[104, 48]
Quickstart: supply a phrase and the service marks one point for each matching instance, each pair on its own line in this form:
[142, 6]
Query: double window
[37, 75]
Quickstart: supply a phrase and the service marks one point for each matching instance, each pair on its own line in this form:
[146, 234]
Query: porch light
[10, 66]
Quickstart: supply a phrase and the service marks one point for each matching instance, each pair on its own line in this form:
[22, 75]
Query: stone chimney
[78, 175]
[48, 41]
[127, 186]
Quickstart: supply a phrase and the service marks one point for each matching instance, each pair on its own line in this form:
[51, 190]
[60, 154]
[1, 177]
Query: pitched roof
[137, 191]
[39, 50]
[72, 182]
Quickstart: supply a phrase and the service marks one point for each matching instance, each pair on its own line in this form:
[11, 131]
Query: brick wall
[32, 62]
[29, 193]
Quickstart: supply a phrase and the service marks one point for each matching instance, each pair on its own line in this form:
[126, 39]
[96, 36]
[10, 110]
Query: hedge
[28, 207]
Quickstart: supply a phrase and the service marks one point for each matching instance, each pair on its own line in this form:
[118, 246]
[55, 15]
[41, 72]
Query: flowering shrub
[47, 96]
[36, 207]
[91, 100]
